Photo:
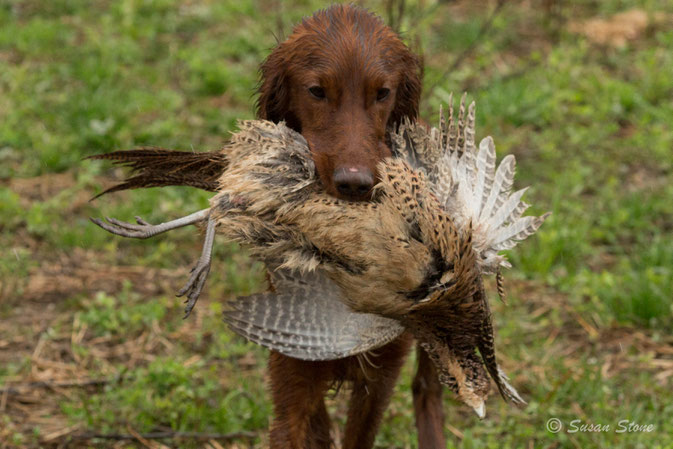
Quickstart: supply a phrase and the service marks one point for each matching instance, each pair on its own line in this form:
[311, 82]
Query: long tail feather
[158, 167]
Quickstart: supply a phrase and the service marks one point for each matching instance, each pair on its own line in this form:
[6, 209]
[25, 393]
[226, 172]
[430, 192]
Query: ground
[93, 348]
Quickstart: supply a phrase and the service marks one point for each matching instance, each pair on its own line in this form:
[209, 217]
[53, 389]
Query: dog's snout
[353, 183]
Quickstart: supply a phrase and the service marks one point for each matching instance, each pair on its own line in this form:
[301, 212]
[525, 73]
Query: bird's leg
[200, 271]
[143, 229]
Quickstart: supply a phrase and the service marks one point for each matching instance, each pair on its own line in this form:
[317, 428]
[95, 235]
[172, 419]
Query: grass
[586, 334]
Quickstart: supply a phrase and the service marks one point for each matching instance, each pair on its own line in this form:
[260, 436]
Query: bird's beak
[479, 409]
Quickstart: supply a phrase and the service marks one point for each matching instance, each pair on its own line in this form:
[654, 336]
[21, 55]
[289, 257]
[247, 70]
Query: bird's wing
[305, 318]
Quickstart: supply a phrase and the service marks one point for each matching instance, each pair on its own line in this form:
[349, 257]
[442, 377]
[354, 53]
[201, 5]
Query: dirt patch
[44, 187]
[620, 344]
[42, 333]
[60, 276]
[619, 29]
[643, 177]
[41, 188]
[55, 280]
[10, 56]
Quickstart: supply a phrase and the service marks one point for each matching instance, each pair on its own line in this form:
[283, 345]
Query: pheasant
[350, 277]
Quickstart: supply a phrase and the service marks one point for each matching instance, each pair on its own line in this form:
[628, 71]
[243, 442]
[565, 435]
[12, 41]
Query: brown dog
[341, 79]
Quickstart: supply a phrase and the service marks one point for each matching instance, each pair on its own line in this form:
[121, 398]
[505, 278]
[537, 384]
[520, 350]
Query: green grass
[170, 394]
[591, 303]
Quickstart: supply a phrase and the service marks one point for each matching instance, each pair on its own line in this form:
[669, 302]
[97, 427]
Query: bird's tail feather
[158, 167]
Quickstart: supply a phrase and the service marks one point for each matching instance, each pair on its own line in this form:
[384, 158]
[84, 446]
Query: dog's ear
[409, 90]
[273, 102]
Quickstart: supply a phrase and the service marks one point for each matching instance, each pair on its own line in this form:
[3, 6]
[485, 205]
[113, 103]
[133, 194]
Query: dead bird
[350, 277]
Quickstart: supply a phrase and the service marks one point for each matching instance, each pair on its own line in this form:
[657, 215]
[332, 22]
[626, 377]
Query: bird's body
[272, 201]
[411, 255]
[350, 277]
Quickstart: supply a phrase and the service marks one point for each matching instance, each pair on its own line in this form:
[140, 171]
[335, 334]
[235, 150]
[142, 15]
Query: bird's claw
[141, 221]
[142, 230]
[194, 285]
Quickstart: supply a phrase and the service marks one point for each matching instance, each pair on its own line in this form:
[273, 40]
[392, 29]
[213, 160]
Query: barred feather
[508, 237]
[461, 124]
[307, 319]
[469, 129]
[504, 178]
[499, 283]
[509, 211]
[486, 172]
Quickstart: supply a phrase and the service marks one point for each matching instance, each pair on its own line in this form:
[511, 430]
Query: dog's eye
[382, 94]
[317, 92]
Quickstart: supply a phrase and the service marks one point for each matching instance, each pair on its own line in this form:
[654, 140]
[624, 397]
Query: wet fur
[351, 54]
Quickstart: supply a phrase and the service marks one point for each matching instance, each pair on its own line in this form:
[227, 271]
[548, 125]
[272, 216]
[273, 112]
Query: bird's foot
[194, 285]
[143, 229]
[199, 273]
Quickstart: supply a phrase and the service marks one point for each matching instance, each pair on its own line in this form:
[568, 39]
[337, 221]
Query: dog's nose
[353, 182]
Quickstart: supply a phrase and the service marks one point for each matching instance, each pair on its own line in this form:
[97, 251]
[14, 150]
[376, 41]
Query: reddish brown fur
[350, 55]
[298, 388]
[428, 408]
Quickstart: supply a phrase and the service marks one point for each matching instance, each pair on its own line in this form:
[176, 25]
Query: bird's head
[450, 325]
[451, 320]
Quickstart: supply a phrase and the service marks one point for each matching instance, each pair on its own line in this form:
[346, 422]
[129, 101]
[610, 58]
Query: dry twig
[14, 388]
[163, 435]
